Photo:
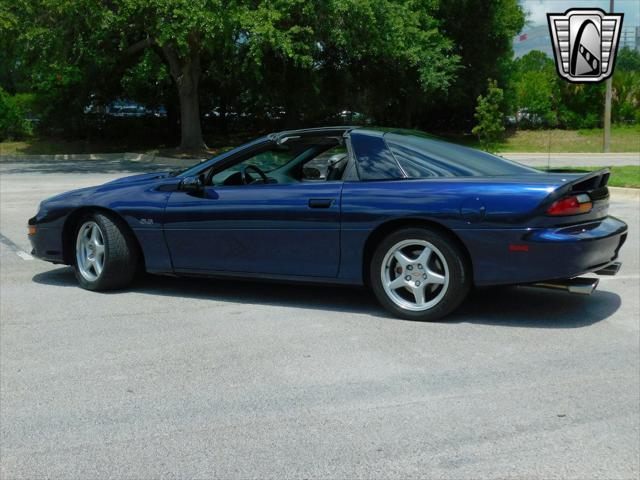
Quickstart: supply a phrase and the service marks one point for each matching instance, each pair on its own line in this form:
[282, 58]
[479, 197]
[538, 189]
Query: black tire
[459, 274]
[120, 254]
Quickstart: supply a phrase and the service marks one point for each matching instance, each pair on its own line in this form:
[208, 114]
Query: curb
[625, 192]
[83, 157]
[568, 154]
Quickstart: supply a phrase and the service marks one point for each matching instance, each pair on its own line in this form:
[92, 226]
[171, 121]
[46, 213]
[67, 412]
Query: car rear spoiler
[593, 183]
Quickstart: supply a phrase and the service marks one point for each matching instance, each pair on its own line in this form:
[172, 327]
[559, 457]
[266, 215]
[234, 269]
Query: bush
[490, 126]
[535, 91]
[14, 124]
[626, 97]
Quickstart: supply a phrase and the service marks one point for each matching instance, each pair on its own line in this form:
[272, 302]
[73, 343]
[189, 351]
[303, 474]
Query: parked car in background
[125, 108]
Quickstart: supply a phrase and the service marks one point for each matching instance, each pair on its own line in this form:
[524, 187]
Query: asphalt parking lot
[204, 378]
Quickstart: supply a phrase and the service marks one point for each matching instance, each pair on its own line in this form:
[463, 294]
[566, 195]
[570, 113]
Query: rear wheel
[105, 256]
[419, 274]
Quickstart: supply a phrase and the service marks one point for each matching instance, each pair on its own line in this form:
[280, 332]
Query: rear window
[425, 157]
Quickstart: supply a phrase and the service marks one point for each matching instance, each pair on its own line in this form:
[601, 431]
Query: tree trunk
[190, 128]
[173, 118]
[186, 73]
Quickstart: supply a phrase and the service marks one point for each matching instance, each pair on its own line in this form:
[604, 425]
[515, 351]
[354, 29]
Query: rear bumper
[543, 253]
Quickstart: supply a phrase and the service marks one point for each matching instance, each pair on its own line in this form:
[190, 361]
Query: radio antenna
[549, 152]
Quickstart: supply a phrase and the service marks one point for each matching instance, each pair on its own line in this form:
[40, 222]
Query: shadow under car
[516, 306]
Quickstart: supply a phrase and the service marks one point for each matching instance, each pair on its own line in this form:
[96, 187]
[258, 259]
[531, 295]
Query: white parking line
[24, 255]
[13, 246]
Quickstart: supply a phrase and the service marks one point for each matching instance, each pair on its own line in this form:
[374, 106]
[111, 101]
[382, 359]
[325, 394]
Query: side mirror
[192, 184]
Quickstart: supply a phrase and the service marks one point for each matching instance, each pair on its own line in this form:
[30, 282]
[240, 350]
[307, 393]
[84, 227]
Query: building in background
[533, 38]
[537, 38]
[630, 37]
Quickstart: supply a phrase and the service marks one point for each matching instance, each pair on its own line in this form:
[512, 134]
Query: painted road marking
[18, 251]
[24, 255]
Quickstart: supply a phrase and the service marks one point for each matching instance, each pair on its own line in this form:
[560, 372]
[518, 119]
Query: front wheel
[105, 255]
[419, 274]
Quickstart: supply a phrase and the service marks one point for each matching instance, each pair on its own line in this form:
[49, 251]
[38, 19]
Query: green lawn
[623, 139]
[55, 146]
[626, 176]
[58, 146]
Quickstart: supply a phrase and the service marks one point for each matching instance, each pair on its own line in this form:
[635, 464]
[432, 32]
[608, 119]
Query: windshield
[204, 164]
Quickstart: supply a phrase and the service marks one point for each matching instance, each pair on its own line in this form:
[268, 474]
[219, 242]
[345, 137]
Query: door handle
[320, 202]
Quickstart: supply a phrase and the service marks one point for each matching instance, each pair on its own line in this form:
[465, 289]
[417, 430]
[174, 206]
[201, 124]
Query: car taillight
[573, 205]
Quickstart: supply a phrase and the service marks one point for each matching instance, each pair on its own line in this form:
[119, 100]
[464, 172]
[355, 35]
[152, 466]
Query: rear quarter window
[374, 160]
[425, 157]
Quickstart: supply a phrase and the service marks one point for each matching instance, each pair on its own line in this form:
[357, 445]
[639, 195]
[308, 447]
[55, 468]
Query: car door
[271, 229]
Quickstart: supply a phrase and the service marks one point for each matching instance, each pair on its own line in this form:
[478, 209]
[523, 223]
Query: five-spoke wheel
[419, 274]
[90, 251]
[106, 254]
[415, 274]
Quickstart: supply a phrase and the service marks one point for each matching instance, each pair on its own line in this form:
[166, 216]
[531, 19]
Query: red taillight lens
[574, 205]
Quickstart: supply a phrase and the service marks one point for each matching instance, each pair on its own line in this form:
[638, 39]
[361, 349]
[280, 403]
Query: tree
[628, 60]
[536, 90]
[378, 57]
[79, 50]
[626, 87]
[482, 32]
[489, 127]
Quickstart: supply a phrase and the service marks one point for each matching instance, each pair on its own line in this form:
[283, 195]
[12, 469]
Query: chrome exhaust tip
[583, 286]
[611, 269]
[577, 285]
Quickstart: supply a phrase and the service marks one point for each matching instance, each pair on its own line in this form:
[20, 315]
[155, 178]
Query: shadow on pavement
[500, 306]
[536, 308]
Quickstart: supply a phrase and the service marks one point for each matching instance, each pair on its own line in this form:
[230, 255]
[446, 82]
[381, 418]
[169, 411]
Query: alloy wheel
[90, 251]
[415, 275]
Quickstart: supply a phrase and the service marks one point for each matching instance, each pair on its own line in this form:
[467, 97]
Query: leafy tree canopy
[74, 51]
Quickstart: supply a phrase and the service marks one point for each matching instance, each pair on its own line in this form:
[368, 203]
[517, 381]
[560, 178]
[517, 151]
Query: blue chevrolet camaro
[418, 220]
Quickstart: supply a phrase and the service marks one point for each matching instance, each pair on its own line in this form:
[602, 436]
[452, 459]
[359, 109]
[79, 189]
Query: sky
[537, 9]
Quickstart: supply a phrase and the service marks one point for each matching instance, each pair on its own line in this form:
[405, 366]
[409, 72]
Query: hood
[138, 178]
[117, 183]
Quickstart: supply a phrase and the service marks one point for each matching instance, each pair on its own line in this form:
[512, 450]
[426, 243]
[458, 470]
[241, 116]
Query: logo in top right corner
[585, 43]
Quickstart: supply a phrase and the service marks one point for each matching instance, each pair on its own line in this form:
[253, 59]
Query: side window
[374, 160]
[266, 161]
[319, 167]
[416, 164]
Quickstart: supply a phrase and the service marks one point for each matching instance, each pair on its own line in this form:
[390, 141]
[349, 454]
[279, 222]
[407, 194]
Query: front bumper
[543, 253]
[46, 243]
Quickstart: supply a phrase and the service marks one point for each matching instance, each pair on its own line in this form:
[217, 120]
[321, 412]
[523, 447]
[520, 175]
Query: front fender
[140, 204]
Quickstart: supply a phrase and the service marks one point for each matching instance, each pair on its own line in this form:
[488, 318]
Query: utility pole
[607, 105]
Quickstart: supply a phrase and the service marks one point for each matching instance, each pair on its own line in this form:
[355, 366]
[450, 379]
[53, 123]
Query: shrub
[14, 124]
[490, 126]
